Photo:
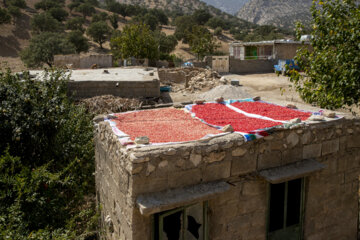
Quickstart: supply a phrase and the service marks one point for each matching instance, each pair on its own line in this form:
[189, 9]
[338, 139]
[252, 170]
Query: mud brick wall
[331, 204]
[129, 89]
[174, 76]
[77, 61]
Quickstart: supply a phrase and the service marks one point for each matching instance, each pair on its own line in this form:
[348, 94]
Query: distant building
[265, 50]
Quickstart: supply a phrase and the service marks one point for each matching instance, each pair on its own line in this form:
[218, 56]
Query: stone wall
[76, 61]
[286, 51]
[130, 89]
[331, 206]
[251, 66]
[172, 75]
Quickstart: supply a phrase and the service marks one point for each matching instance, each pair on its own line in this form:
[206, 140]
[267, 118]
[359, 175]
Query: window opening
[286, 210]
[186, 223]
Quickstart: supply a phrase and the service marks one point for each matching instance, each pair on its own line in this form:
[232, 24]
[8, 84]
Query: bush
[59, 14]
[103, 16]
[46, 158]
[218, 31]
[17, 3]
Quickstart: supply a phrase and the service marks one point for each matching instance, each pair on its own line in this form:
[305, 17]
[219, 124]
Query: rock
[317, 118]
[219, 99]
[106, 71]
[142, 140]
[329, 114]
[223, 80]
[295, 120]
[178, 105]
[199, 102]
[257, 98]
[99, 118]
[111, 117]
[291, 106]
[94, 66]
[228, 128]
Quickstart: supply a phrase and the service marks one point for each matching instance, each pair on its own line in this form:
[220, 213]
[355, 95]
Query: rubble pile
[204, 80]
[110, 104]
[191, 79]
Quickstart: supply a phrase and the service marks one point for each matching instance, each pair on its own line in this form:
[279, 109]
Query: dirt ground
[269, 86]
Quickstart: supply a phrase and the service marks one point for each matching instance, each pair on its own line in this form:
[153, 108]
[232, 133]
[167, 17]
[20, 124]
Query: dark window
[186, 223]
[285, 210]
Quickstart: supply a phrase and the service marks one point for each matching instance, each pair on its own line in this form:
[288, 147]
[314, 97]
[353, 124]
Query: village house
[296, 180]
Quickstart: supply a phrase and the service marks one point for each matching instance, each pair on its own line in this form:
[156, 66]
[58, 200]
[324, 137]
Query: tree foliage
[58, 13]
[99, 32]
[114, 18]
[75, 23]
[44, 22]
[202, 42]
[136, 40]
[201, 16]
[332, 66]
[77, 39]
[86, 9]
[4, 16]
[46, 158]
[43, 47]
[102, 16]
[48, 4]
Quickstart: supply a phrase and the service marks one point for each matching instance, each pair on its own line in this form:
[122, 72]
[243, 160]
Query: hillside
[228, 6]
[280, 13]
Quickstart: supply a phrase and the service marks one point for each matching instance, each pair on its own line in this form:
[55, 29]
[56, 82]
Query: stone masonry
[331, 204]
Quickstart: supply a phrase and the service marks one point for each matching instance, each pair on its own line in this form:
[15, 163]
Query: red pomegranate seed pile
[220, 115]
[163, 125]
[272, 111]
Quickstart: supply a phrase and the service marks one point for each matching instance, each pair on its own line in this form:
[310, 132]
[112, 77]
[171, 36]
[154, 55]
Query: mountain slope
[228, 6]
[281, 13]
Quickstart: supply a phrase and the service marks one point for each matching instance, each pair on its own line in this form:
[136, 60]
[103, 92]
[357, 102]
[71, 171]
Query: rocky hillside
[280, 13]
[228, 6]
[186, 6]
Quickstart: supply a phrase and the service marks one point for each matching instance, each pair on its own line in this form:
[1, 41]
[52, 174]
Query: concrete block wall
[331, 210]
[129, 89]
[251, 66]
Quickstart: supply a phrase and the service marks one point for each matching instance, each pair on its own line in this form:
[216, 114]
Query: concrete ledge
[291, 171]
[162, 201]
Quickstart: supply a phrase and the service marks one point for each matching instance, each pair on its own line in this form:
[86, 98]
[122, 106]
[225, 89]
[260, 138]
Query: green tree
[99, 32]
[102, 16]
[151, 20]
[166, 44]
[48, 4]
[216, 22]
[160, 15]
[4, 16]
[78, 40]
[17, 3]
[43, 47]
[201, 16]
[14, 11]
[332, 66]
[86, 9]
[202, 42]
[137, 41]
[44, 22]
[59, 14]
[75, 23]
[114, 18]
[184, 25]
[46, 157]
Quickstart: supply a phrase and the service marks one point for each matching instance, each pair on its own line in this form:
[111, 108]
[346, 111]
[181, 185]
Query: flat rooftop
[197, 122]
[134, 74]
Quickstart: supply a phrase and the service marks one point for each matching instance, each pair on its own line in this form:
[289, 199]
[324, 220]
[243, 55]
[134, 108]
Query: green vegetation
[43, 47]
[75, 23]
[46, 161]
[114, 18]
[99, 32]
[44, 22]
[202, 42]
[136, 40]
[332, 67]
[86, 9]
[5, 17]
[103, 16]
[77, 39]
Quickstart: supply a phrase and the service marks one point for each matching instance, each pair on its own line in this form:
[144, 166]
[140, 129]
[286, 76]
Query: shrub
[99, 32]
[75, 24]
[78, 40]
[46, 158]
